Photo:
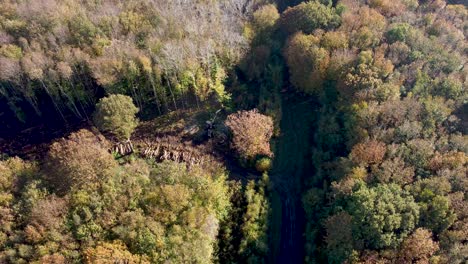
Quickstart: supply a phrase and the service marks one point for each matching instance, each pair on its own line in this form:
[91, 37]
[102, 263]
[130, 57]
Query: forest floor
[33, 143]
[291, 165]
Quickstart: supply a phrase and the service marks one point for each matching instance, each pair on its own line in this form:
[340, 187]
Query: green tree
[333, 40]
[383, 215]
[13, 172]
[178, 214]
[254, 244]
[116, 114]
[263, 164]
[308, 16]
[436, 214]
[229, 236]
[398, 32]
[264, 22]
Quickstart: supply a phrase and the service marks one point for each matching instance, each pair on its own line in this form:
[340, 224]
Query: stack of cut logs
[169, 149]
[166, 148]
[163, 152]
[123, 148]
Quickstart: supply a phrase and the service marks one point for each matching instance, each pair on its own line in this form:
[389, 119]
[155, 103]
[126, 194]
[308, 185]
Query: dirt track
[291, 164]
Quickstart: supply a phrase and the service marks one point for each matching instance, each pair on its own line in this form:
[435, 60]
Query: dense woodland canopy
[167, 55]
[187, 109]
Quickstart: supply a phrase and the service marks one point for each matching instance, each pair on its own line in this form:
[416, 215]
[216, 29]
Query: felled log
[123, 148]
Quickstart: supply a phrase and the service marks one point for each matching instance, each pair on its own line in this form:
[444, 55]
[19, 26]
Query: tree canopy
[357, 110]
[116, 114]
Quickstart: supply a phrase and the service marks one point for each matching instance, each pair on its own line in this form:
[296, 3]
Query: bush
[116, 114]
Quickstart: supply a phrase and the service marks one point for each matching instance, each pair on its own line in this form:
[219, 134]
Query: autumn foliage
[371, 152]
[370, 97]
[81, 159]
[251, 133]
[418, 247]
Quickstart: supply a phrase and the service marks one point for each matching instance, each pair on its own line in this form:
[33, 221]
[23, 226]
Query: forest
[234, 131]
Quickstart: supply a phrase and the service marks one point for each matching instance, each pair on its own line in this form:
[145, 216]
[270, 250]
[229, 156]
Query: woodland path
[291, 165]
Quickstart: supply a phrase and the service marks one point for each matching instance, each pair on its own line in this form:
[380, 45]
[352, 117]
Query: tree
[109, 253]
[390, 8]
[367, 153]
[308, 16]
[436, 214]
[450, 88]
[177, 215]
[81, 159]
[252, 132]
[230, 227]
[116, 114]
[398, 32]
[339, 237]
[263, 164]
[365, 81]
[264, 22]
[13, 172]
[47, 215]
[104, 44]
[47, 231]
[365, 26]
[254, 243]
[435, 111]
[383, 215]
[418, 247]
[332, 40]
[396, 171]
[398, 52]
[307, 62]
